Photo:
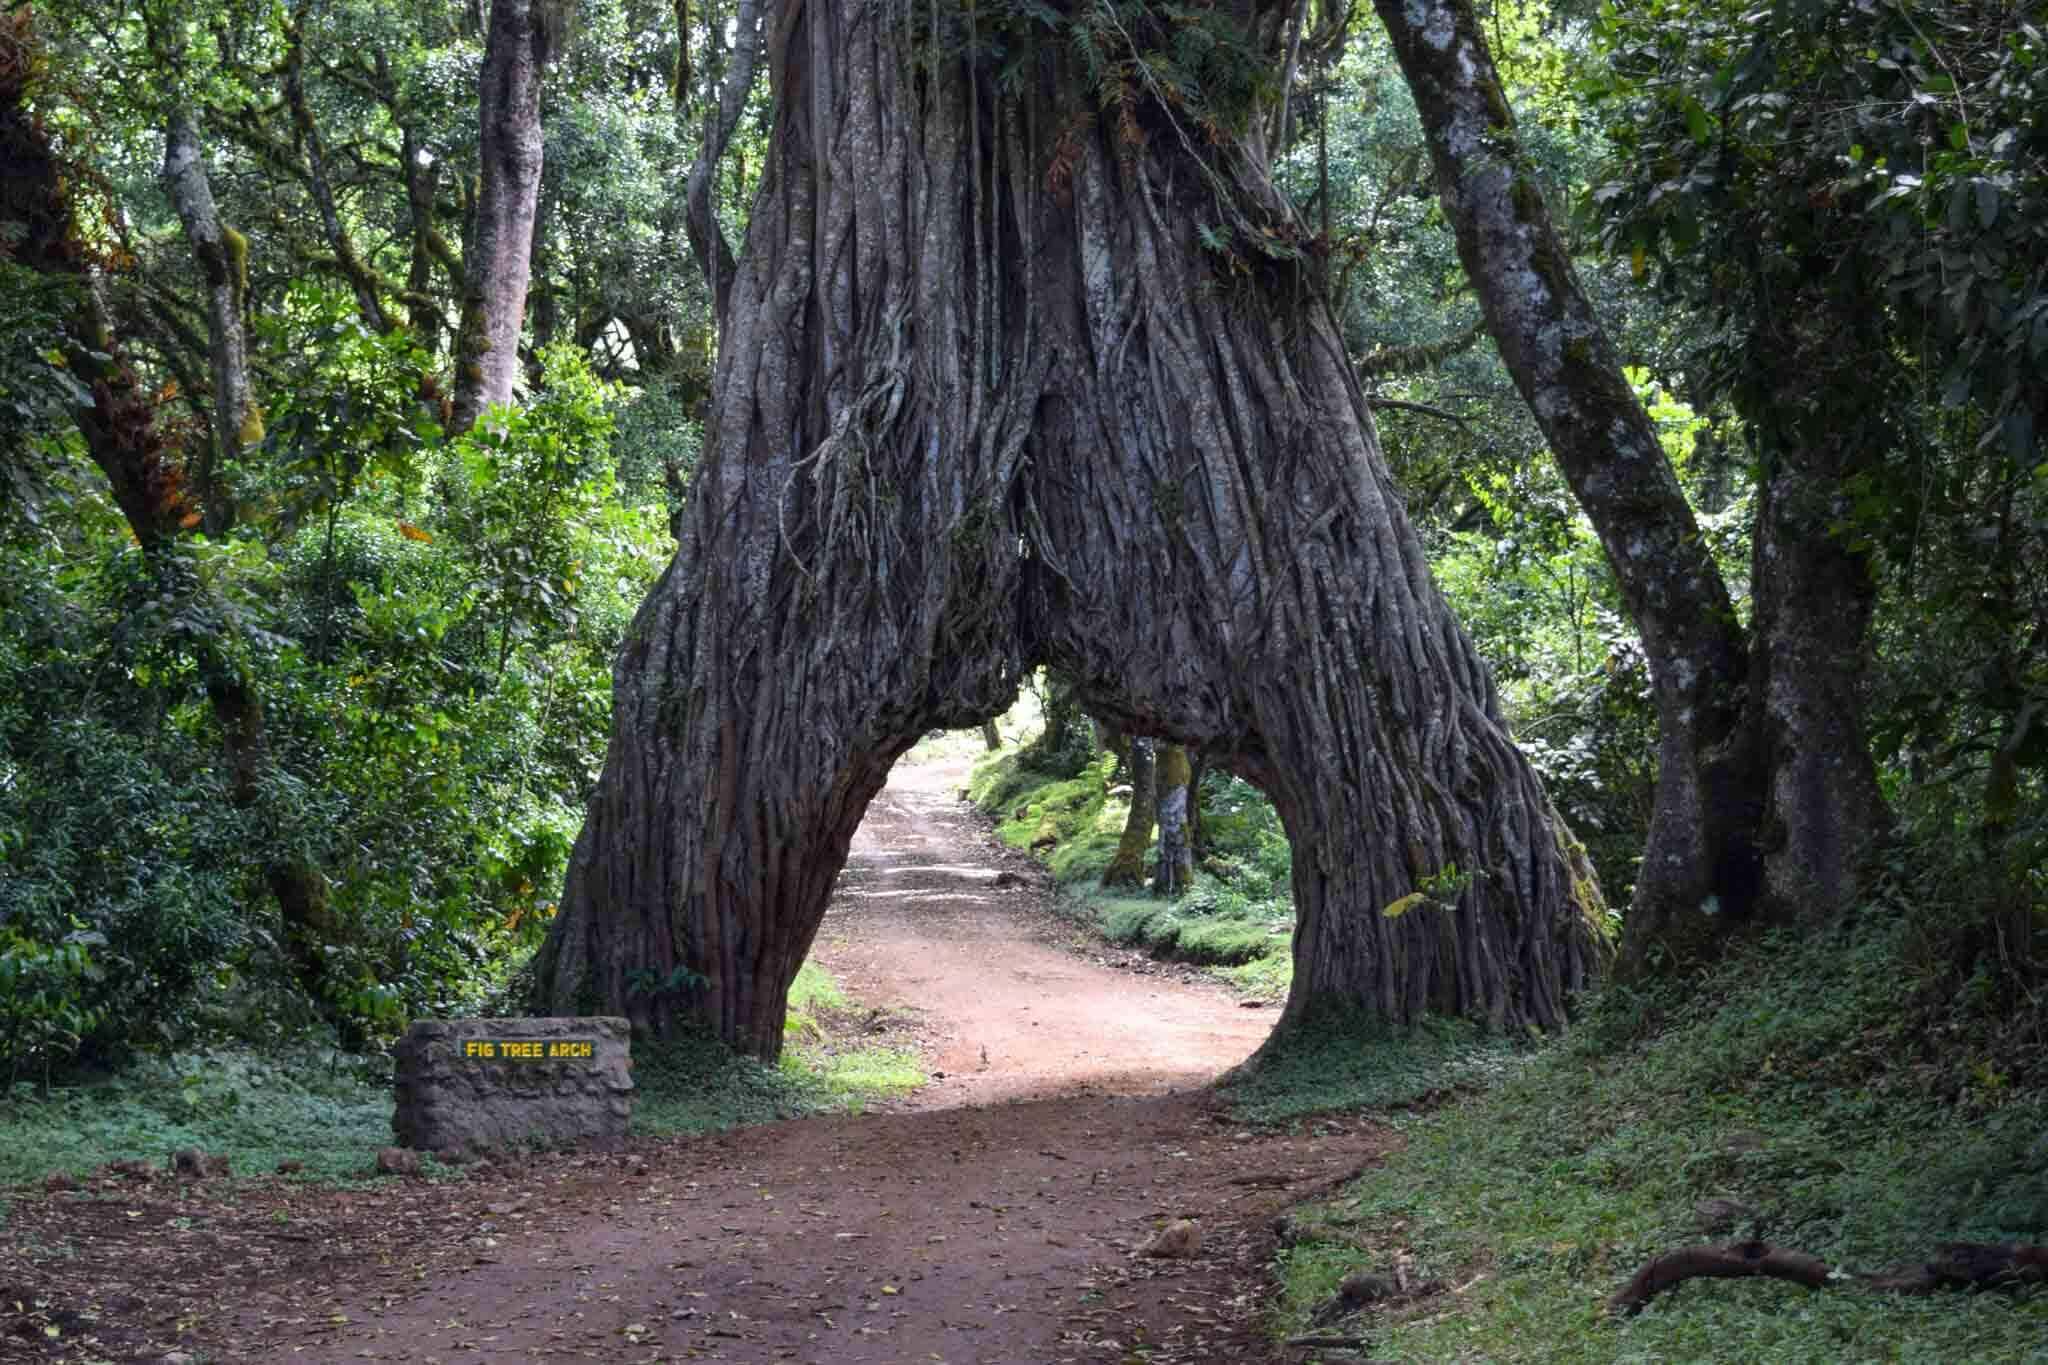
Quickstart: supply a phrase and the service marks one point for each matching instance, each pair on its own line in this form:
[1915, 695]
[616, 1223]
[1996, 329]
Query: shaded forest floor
[998, 1214]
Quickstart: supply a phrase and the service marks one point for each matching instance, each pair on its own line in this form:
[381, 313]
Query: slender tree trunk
[991, 737]
[368, 287]
[1176, 852]
[722, 118]
[223, 257]
[499, 264]
[1062, 714]
[985, 400]
[1127, 868]
[1765, 799]
[429, 247]
[1814, 594]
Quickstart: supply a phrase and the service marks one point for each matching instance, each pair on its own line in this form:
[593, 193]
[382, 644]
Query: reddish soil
[998, 1215]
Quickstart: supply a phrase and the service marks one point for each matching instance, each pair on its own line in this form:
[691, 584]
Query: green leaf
[1697, 121]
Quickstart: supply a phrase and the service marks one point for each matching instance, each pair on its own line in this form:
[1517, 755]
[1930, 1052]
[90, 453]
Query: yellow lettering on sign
[517, 1049]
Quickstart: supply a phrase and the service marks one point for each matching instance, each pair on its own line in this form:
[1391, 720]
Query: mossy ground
[1237, 917]
[1833, 1082]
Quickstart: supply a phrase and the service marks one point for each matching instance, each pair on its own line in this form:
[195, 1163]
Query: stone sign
[473, 1083]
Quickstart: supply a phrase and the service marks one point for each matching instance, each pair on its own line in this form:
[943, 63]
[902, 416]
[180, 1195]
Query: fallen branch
[1958, 1265]
[1735, 1260]
[1328, 1343]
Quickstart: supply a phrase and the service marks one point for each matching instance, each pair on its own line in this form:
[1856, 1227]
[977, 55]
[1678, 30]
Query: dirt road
[997, 1216]
[934, 918]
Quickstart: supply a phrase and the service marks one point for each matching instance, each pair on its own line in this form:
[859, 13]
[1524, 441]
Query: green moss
[1222, 943]
[238, 257]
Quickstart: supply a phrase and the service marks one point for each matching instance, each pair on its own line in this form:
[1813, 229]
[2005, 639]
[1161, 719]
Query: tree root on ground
[1957, 1265]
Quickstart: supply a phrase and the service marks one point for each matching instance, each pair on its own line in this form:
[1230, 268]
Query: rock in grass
[1354, 1291]
[1178, 1240]
[1718, 1215]
[397, 1161]
[290, 1166]
[196, 1163]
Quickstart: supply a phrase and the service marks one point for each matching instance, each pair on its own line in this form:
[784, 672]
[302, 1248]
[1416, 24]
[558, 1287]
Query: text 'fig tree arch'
[1010, 377]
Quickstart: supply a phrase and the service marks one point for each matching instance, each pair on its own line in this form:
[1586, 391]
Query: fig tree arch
[1022, 366]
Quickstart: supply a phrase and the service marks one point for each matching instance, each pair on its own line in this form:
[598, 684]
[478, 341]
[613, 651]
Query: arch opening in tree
[1024, 365]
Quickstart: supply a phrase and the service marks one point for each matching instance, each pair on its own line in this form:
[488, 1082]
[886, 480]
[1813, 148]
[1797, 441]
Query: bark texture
[1766, 798]
[986, 401]
[1127, 868]
[223, 258]
[1176, 849]
[498, 265]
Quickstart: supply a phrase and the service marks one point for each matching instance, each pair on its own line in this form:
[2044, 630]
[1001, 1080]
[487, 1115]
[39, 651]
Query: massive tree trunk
[498, 265]
[1766, 799]
[988, 396]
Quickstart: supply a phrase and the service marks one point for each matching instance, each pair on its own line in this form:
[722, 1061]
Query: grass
[1334, 1061]
[1837, 1083]
[1236, 918]
[696, 1085]
[332, 1112]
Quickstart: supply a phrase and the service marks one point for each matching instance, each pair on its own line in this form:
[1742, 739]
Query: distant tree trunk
[362, 279]
[986, 398]
[429, 248]
[1061, 714]
[991, 737]
[1127, 868]
[1176, 853]
[722, 117]
[223, 256]
[499, 264]
[1766, 797]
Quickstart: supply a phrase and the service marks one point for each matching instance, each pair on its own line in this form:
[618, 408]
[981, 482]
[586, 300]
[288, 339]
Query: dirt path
[997, 1216]
[933, 918]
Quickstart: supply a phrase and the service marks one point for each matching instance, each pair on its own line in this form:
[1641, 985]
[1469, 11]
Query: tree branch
[1423, 408]
[707, 238]
[1383, 361]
